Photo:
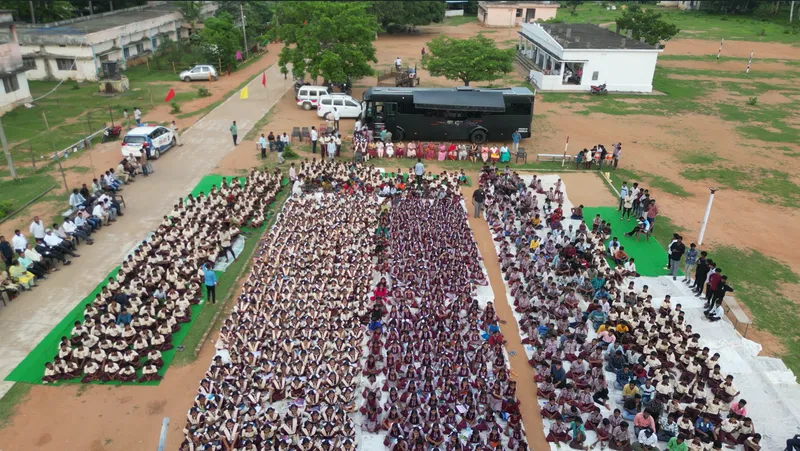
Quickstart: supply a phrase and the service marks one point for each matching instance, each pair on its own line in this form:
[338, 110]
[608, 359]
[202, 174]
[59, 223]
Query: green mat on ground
[651, 258]
[31, 369]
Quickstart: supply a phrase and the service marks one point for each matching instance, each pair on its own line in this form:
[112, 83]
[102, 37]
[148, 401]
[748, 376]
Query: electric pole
[33, 15]
[8, 154]
[244, 30]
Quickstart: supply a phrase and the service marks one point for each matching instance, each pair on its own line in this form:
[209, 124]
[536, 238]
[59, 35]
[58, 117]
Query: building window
[126, 52]
[595, 75]
[519, 12]
[104, 57]
[65, 63]
[11, 83]
[139, 49]
[29, 63]
[155, 43]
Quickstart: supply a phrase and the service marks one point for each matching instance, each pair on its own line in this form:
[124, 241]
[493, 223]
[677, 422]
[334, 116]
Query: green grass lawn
[8, 403]
[697, 24]
[459, 20]
[25, 189]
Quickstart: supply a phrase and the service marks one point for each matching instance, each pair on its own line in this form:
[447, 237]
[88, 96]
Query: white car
[308, 96]
[201, 72]
[159, 138]
[347, 106]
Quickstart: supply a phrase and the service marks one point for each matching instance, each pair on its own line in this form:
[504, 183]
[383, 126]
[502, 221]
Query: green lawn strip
[25, 189]
[758, 282]
[227, 283]
[8, 404]
[689, 157]
[695, 24]
[773, 187]
[712, 58]
[459, 20]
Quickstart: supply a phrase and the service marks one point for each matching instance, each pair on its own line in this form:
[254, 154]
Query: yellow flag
[243, 94]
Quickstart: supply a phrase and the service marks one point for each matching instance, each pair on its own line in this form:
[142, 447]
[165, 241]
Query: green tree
[646, 24]
[191, 11]
[258, 16]
[220, 39]
[473, 59]
[407, 13]
[572, 5]
[328, 39]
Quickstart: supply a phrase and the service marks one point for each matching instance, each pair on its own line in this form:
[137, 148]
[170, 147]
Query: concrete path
[24, 322]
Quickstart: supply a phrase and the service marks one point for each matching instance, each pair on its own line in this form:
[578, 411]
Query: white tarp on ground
[770, 388]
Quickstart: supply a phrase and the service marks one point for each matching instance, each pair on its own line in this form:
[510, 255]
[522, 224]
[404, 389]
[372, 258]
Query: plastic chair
[521, 153]
[295, 133]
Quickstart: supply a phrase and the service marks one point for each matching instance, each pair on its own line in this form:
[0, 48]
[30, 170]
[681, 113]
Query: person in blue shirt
[124, 317]
[515, 138]
[211, 283]
[559, 375]
[262, 143]
[623, 193]
[704, 429]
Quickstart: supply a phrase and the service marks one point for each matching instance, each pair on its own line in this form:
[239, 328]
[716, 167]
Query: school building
[15, 89]
[76, 48]
[573, 57]
[512, 14]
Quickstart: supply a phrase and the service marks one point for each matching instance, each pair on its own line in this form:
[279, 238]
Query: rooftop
[98, 22]
[545, 4]
[588, 36]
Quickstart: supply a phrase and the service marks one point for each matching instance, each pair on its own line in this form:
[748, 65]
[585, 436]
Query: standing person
[227, 247]
[271, 139]
[336, 117]
[137, 115]
[422, 52]
[174, 129]
[676, 251]
[234, 132]
[331, 148]
[314, 138]
[603, 154]
[419, 171]
[615, 154]
[478, 198]
[623, 193]
[37, 228]
[700, 273]
[18, 241]
[262, 143]
[515, 139]
[691, 260]
[211, 282]
[652, 212]
[125, 118]
[281, 147]
[398, 63]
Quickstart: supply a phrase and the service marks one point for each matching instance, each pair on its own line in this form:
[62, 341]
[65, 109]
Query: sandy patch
[739, 49]
[728, 66]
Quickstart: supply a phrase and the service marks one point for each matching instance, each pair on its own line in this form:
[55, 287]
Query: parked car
[159, 138]
[347, 106]
[199, 72]
[308, 96]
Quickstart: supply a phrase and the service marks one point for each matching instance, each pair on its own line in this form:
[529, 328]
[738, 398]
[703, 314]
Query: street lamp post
[705, 217]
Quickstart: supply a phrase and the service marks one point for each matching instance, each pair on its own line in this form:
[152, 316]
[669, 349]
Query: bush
[763, 32]
[6, 207]
[175, 108]
[752, 101]
[289, 154]
[202, 91]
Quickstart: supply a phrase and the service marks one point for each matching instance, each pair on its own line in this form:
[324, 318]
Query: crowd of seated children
[131, 321]
[289, 359]
[431, 348]
[585, 320]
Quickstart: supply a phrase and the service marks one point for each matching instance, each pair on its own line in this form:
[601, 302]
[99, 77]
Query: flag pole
[563, 160]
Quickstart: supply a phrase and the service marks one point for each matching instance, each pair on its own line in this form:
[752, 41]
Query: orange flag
[170, 95]
[264, 79]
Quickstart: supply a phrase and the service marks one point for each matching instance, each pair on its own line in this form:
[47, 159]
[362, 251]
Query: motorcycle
[599, 90]
[111, 133]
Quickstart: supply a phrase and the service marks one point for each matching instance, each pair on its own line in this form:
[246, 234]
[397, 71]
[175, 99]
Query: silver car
[199, 72]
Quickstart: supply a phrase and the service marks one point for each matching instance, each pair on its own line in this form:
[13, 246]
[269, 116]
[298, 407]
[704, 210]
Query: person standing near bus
[515, 138]
[419, 171]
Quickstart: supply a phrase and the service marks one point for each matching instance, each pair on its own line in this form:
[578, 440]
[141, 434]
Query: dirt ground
[129, 418]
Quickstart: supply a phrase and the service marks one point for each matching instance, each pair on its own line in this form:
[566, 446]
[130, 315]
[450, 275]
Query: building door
[530, 15]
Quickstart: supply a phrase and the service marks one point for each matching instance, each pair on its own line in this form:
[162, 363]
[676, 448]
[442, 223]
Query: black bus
[439, 114]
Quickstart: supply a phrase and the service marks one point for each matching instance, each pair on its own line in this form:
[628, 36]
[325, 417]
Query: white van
[308, 96]
[347, 106]
[160, 139]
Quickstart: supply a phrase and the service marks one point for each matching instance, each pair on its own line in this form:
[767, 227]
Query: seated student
[620, 257]
[715, 313]
[753, 443]
[558, 432]
[620, 438]
[577, 212]
[646, 441]
[677, 443]
[643, 226]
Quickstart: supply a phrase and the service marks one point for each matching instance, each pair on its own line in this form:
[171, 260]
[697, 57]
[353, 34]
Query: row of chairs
[304, 134]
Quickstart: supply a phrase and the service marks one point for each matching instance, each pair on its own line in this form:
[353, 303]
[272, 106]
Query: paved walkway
[24, 322]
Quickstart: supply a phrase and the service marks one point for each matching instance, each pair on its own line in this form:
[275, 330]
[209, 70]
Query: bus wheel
[478, 137]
